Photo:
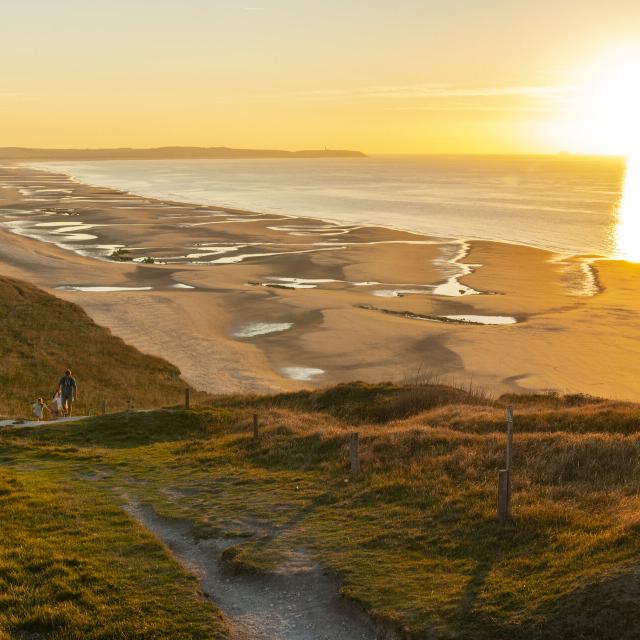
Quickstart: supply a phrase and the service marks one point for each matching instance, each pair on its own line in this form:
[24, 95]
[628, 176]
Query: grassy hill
[413, 540]
[41, 336]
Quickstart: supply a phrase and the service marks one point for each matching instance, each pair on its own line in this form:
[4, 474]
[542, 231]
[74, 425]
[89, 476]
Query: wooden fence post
[509, 438]
[504, 475]
[187, 393]
[255, 425]
[503, 496]
[355, 458]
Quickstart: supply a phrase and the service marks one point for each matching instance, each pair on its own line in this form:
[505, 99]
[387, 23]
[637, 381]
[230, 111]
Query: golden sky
[383, 76]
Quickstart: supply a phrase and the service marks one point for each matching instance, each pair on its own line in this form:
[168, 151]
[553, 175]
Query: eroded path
[299, 603]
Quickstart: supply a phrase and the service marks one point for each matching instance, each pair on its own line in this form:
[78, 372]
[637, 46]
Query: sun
[612, 106]
[601, 116]
[600, 113]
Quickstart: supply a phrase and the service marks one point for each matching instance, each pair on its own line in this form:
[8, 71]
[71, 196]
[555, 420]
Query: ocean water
[565, 204]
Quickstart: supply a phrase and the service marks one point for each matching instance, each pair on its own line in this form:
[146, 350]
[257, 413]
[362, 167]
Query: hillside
[413, 538]
[168, 153]
[41, 336]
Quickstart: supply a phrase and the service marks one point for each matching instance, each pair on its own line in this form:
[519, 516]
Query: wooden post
[187, 393]
[355, 458]
[104, 407]
[503, 496]
[509, 438]
[504, 476]
[255, 425]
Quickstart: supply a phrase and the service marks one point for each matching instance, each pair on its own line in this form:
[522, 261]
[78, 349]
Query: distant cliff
[167, 153]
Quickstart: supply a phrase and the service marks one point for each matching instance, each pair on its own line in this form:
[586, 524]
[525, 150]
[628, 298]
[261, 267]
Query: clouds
[446, 91]
[450, 97]
[449, 91]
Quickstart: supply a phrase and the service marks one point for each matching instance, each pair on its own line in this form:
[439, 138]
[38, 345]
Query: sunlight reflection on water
[628, 223]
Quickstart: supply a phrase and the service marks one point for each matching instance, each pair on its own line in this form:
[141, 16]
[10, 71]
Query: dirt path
[301, 604]
[18, 424]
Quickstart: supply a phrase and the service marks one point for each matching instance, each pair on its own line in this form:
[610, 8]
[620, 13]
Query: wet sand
[346, 302]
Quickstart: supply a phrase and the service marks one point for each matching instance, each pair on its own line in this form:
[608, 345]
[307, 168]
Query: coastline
[282, 305]
[358, 203]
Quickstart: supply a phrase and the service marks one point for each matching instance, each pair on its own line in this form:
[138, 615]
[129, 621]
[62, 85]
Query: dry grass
[41, 336]
[414, 539]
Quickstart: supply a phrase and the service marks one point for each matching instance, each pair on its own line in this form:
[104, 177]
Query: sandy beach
[246, 302]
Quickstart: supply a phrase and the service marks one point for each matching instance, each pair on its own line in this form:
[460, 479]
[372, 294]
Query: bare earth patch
[298, 602]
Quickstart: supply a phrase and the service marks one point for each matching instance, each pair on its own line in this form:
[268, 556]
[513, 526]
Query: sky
[381, 76]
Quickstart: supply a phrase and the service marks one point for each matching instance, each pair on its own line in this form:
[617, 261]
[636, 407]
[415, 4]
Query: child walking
[39, 407]
[56, 404]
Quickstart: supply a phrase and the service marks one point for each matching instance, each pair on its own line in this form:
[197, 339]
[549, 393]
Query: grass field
[74, 566]
[41, 336]
[414, 539]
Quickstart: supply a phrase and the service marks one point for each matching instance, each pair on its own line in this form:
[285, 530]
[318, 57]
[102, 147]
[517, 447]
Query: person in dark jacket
[68, 392]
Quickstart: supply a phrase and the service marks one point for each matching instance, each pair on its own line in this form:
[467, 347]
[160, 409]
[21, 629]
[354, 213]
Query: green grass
[414, 539]
[41, 336]
[74, 566]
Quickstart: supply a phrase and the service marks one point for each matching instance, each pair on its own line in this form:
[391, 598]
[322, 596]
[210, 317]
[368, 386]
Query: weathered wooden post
[255, 425]
[503, 496]
[504, 475]
[509, 439]
[187, 393]
[355, 458]
[104, 407]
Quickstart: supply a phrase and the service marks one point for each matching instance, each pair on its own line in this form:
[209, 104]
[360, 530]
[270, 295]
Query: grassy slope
[415, 538]
[41, 336]
[73, 566]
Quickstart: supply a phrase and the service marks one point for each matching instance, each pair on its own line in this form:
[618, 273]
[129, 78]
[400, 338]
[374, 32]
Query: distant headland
[168, 153]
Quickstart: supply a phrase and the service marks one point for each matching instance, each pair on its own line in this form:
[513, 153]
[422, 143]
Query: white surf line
[579, 275]
[261, 328]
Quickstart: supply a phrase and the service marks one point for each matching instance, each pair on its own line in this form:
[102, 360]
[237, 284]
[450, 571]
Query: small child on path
[56, 406]
[39, 407]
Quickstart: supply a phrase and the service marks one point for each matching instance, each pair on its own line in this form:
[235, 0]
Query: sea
[566, 204]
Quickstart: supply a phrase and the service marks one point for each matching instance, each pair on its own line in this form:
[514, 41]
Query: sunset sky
[385, 76]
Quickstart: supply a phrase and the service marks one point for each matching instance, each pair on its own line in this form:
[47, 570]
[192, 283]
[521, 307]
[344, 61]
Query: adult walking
[68, 392]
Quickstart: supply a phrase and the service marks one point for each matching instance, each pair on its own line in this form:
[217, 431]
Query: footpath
[37, 423]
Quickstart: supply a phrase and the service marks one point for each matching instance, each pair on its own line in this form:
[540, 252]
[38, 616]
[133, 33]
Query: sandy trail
[302, 604]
